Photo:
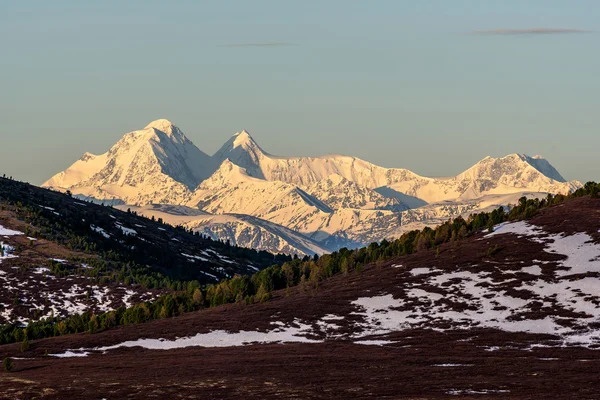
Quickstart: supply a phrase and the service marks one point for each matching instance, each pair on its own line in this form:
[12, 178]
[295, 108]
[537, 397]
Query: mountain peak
[244, 139]
[160, 124]
[511, 168]
[513, 158]
[166, 126]
[243, 151]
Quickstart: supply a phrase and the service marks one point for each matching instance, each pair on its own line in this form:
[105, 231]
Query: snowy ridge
[238, 229]
[231, 190]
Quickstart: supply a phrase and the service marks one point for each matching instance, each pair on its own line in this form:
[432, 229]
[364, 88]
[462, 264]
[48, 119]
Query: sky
[432, 86]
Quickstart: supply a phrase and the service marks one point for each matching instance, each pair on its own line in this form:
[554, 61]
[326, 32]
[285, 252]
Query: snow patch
[533, 270]
[100, 231]
[422, 271]
[456, 392]
[373, 342]
[217, 338]
[70, 354]
[9, 232]
[452, 365]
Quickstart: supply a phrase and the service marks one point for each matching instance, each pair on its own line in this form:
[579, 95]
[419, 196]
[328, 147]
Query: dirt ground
[317, 371]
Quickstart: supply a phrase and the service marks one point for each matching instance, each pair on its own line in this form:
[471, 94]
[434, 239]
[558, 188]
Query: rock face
[331, 200]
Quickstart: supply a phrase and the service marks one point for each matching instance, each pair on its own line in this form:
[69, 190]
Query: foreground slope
[60, 256]
[511, 314]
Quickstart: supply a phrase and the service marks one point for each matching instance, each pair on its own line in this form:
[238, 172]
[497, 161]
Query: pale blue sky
[399, 83]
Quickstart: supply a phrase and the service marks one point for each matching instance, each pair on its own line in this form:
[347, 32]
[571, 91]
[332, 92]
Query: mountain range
[295, 205]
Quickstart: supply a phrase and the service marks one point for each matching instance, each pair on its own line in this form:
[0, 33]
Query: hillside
[333, 200]
[511, 314]
[61, 256]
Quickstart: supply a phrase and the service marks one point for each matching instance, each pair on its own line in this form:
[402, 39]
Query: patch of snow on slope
[333, 317]
[217, 338]
[452, 365]
[533, 270]
[126, 231]
[373, 342]
[520, 228]
[455, 392]
[100, 231]
[102, 298]
[193, 258]
[421, 271]
[69, 354]
[9, 232]
[583, 255]
[485, 306]
[127, 297]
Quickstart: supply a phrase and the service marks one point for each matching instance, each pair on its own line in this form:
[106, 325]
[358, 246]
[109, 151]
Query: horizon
[432, 88]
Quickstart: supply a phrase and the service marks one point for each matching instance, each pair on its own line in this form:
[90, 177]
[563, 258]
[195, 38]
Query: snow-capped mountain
[331, 200]
[513, 173]
[157, 164]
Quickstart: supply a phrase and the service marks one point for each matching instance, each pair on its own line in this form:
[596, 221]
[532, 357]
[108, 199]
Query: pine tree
[198, 297]
[24, 345]
[490, 226]
[7, 364]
